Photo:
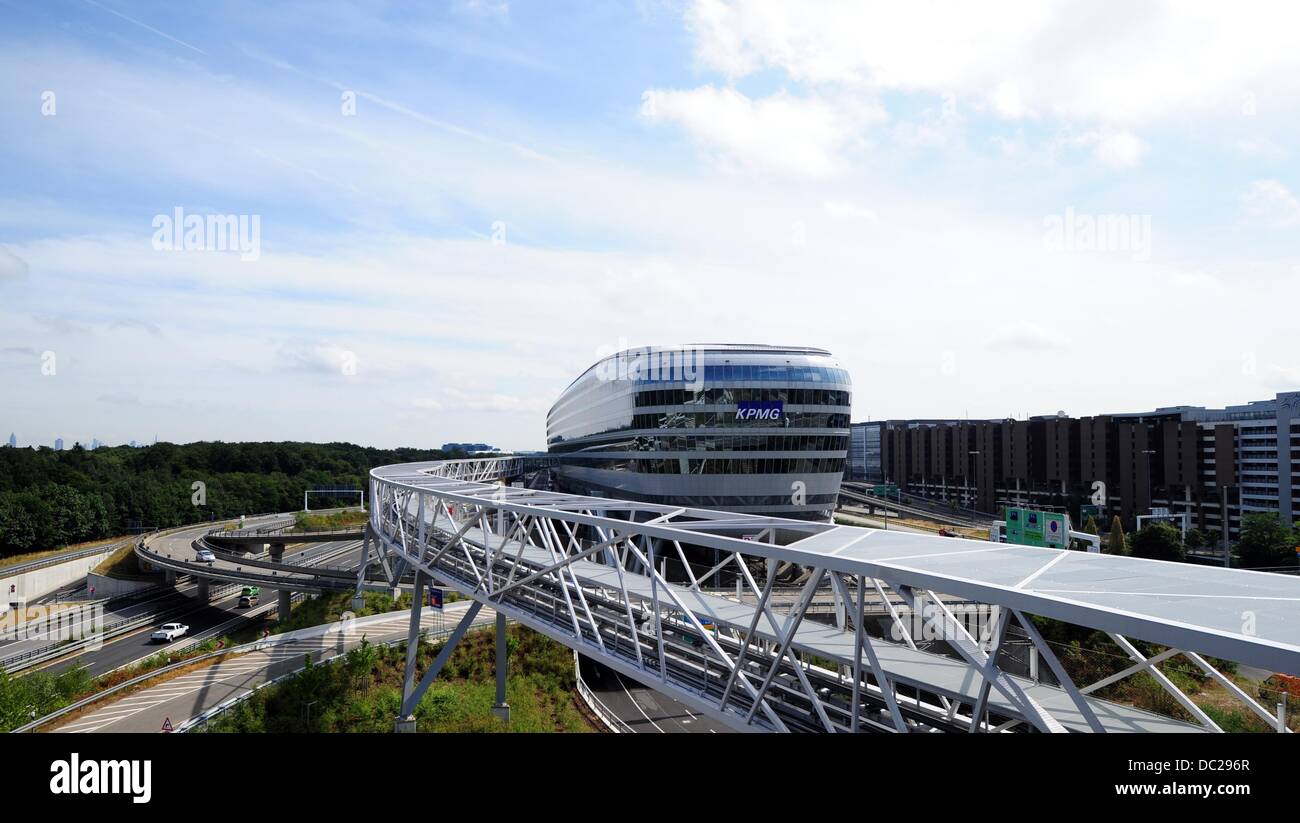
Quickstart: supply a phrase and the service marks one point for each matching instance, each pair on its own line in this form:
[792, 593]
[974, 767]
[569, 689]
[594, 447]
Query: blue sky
[461, 205]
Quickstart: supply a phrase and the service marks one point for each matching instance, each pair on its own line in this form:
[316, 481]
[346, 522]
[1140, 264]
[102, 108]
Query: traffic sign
[167, 725]
[1029, 527]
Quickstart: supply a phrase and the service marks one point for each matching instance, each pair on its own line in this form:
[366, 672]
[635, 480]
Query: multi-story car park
[747, 428]
[1207, 463]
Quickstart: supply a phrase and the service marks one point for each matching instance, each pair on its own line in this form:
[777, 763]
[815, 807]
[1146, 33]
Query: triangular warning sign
[167, 724]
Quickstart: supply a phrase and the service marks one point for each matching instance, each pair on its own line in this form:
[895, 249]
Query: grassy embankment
[362, 693]
[324, 521]
[17, 559]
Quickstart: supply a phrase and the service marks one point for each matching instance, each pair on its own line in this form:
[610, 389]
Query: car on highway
[168, 632]
[250, 591]
[205, 556]
[247, 601]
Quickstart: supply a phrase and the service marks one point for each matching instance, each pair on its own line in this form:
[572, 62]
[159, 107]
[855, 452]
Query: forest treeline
[54, 498]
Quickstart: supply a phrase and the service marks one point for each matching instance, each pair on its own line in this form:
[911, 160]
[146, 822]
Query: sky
[449, 210]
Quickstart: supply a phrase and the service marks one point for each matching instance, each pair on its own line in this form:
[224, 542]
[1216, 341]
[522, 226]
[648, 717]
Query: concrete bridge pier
[285, 603]
[277, 551]
[501, 709]
[205, 590]
[169, 577]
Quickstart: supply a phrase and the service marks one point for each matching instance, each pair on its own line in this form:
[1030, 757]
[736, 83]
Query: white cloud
[1116, 149]
[1026, 336]
[846, 210]
[498, 9]
[12, 267]
[1007, 102]
[1119, 149]
[1127, 66]
[1261, 147]
[780, 133]
[1271, 204]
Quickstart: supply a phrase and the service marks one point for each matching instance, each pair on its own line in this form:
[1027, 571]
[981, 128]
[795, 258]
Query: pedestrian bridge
[640, 588]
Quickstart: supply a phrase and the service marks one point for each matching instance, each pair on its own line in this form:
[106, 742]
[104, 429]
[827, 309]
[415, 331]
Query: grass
[362, 693]
[121, 564]
[16, 559]
[306, 521]
[327, 608]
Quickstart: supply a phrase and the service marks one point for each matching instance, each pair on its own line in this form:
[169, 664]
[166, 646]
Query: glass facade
[748, 428]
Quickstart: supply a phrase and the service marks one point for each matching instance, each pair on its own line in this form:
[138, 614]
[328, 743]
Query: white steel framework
[592, 573]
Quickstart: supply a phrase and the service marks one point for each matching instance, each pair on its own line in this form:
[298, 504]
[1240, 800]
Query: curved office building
[747, 428]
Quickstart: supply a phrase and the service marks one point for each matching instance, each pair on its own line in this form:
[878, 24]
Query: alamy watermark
[1082, 232]
[209, 232]
[52, 624]
[685, 365]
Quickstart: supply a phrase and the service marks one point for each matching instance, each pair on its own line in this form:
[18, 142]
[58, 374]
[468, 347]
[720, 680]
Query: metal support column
[406, 722]
[501, 709]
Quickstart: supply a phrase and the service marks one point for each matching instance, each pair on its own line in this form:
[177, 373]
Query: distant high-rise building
[94, 443]
[13, 440]
[58, 444]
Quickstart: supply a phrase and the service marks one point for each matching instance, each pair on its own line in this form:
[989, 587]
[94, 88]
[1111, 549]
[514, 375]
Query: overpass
[286, 578]
[274, 538]
[591, 573]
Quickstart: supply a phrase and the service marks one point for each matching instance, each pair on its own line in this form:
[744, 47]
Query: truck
[168, 632]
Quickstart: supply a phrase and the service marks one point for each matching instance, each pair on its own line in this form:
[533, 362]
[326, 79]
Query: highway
[642, 709]
[189, 695]
[204, 619]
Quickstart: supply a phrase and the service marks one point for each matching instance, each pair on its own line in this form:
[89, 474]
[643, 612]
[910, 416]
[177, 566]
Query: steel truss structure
[593, 574]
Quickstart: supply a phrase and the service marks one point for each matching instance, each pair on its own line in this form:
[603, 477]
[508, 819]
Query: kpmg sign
[760, 410]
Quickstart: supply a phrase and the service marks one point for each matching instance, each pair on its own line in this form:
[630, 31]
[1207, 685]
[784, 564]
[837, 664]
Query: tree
[1195, 539]
[1091, 526]
[1157, 541]
[1265, 542]
[1115, 542]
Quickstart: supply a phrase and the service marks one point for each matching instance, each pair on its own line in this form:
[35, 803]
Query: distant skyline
[441, 214]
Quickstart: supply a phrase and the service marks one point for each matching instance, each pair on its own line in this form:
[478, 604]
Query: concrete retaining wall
[40, 582]
[114, 587]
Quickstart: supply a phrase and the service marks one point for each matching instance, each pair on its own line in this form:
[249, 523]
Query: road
[189, 695]
[204, 619]
[643, 709]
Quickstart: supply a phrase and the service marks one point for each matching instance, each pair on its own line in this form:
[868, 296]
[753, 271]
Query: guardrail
[294, 580]
[61, 648]
[349, 572]
[257, 645]
[58, 559]
[55, 650]
[280, 532]
[598, 708]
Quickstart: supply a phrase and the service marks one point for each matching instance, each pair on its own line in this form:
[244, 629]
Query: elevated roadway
[208, 609]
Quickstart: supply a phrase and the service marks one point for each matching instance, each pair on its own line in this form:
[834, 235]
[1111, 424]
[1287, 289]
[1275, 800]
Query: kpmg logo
[760, 410]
